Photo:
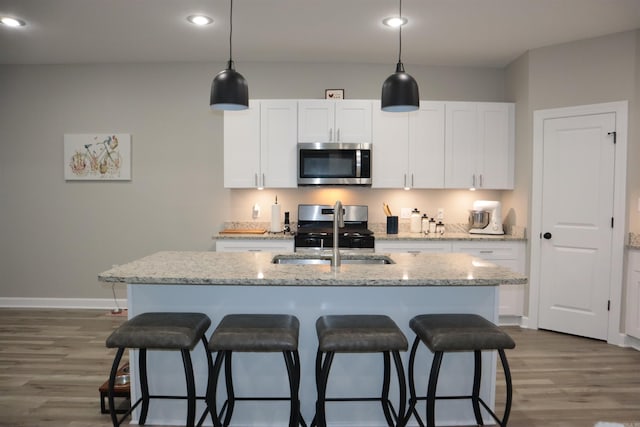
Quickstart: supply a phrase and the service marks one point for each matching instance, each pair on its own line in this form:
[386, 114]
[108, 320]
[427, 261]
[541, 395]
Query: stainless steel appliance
[315, 229]
[486, 217]
[329, 163]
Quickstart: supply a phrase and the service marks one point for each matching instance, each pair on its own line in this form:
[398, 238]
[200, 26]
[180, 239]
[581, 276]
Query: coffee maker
[486, 217]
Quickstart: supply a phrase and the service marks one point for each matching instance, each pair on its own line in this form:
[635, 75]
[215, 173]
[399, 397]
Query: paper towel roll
[276, 226]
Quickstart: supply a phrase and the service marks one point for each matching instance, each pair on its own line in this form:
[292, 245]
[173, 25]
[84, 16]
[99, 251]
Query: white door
[242, 147]
[576, 228]
[278, 137]
[352, 121]
[316, 120]
[426, 146]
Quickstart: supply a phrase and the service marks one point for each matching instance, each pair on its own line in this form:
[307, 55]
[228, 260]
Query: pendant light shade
[229, 90]
[400, 90]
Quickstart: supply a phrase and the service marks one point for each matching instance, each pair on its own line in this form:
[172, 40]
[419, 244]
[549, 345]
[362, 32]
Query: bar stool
[254, 333]
[443, 333]
[158, 331]
[360, 334]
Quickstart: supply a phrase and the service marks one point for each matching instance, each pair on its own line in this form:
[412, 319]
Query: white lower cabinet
[257, 245]
[632, 324]
[503, 253]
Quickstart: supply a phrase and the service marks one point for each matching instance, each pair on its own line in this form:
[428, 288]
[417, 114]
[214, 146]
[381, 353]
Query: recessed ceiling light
[12, 22]
[394, 21]
[199, 19]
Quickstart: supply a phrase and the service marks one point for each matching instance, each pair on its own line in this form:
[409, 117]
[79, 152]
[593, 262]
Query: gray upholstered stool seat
[253, 333]
[161, 331]
[256, 333]
[158, 331]
[360, 334]
[443, 333]
[459, 332]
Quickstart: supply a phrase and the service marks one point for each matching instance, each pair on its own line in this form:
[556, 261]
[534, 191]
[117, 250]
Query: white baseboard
[632, 342]
[510, 320]
[92, 303]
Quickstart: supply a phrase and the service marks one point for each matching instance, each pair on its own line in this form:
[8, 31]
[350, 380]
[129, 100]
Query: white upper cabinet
[408, 148]
[479, 145]
[321, 120]
[260, 145]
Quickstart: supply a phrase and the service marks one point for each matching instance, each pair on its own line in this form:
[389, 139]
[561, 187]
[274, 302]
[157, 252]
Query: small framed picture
[334, 94]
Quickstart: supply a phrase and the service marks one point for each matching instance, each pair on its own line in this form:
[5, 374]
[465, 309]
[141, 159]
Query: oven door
[334, 164]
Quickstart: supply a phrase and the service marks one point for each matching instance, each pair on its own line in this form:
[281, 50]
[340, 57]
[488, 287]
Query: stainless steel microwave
[331, 163]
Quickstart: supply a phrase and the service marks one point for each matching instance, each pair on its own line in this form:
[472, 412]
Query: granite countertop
[256, 269]
[458, 236]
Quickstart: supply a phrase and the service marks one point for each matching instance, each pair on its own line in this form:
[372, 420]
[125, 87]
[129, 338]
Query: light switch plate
[405, 212]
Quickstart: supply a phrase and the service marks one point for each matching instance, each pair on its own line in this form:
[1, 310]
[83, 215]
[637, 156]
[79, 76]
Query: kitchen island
[221, 283]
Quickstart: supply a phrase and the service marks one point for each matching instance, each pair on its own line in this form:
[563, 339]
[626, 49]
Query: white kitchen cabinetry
[505, 254]
[408, 148]
[254, 245]
[403, 246]
[321, 120]
[260, 145]
[479, 145]
[632, 324]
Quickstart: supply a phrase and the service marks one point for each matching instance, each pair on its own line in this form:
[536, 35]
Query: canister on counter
[415, 221]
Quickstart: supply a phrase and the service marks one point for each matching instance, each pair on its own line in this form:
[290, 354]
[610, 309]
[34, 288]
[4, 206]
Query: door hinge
[611, 222]
[615, 134]
[609, 305]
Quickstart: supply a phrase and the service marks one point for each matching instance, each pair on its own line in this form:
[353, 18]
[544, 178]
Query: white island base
[352, 375]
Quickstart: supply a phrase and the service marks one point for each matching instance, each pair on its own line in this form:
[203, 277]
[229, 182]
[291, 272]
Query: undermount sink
[308, 259]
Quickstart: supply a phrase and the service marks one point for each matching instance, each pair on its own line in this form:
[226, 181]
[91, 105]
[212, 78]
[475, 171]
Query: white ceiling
[485, 33]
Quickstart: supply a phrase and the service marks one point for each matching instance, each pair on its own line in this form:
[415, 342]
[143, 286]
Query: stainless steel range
[315, 229]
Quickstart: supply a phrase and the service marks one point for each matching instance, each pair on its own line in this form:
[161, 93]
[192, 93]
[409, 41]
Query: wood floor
[53, 361]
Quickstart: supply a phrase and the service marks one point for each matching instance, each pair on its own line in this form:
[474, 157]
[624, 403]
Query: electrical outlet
[255, 211]
[440, 214]
[405, 212]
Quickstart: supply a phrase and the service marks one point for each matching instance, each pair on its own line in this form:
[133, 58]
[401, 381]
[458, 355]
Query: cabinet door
[316, 120]
[390, 148]
[633, 295]
[506, 254]
[461, 145]
[352, 121]
[242, 147]
[497, 144]
[426, 146]
[278, 139]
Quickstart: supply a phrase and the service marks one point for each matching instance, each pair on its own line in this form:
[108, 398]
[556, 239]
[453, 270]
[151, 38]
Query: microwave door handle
[358, 163]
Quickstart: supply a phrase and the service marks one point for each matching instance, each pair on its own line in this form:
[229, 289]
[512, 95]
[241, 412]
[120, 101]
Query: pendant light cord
[230, 31]
[400, 35]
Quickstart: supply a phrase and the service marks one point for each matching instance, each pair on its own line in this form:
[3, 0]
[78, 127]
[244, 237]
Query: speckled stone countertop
[634, 241]
[458, 236]
[257, 269]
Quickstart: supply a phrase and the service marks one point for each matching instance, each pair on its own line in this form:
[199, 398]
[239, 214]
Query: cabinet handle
[405, 181]
[474, 181]
[263, 181]
[412, 181]
[486, 252]
[254, 250]
[338, 135]
[413, 252]
[255, 176]
[481, 181]
[330, 135]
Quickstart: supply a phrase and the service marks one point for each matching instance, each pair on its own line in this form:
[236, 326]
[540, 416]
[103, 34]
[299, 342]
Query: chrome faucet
[338, 221]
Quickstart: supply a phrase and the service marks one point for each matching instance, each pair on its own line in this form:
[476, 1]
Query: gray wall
[56, 236]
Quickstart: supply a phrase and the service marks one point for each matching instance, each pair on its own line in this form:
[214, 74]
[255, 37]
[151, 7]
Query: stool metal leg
[475, 395]
[402, 385]
[144, 385]
[292, 362]
[411, 410]
[191, 387]
[112, 384]
[231, 397]
[323, 366]
[431, 388]
[507, 377]
[386, 379]
[212, 388]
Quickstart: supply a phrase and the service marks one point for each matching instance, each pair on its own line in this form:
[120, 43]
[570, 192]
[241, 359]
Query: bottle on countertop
[415, 221]
[424, 224]
[440, 227]
[432, 226]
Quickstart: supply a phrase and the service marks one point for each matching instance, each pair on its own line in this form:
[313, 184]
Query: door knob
[547, 235]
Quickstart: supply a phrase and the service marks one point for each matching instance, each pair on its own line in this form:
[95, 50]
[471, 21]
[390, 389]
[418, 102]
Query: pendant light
[229, 90]
[400, 90]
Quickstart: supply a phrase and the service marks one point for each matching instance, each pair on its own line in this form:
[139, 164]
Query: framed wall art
[334, 94]
[97, 157]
